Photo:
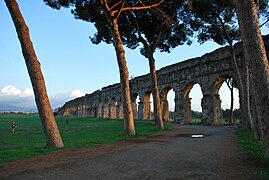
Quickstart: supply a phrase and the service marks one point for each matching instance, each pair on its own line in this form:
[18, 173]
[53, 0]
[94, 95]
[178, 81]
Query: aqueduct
[209, 71]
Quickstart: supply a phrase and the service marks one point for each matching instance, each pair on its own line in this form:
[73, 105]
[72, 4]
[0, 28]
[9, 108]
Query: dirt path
[173, 155]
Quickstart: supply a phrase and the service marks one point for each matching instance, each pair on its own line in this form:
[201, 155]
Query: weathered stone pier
[209, 71]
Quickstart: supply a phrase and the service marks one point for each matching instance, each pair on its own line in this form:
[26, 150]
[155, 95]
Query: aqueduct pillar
[144, 107]
[105, 110]
[211, 109]
[112, 111]
[182, 108]
[119, 110]
[134, 107]
[165, 109]
[99, 109]
[82, 110]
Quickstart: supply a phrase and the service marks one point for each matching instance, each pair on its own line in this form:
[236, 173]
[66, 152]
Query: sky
[71, 65]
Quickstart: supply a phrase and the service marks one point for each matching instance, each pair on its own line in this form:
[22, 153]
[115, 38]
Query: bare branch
[106, 8]
[142, 3]
[224, 30]
[142, 7]
[104, 3]
[228, 83]
[144, 42]
[124, 1]
[157, 38]
[115, 5]
[264, 23]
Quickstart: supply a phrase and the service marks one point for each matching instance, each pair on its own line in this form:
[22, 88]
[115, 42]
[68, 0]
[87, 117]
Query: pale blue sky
[68, 59]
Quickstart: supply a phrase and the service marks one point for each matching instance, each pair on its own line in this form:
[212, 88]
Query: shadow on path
[174, 154]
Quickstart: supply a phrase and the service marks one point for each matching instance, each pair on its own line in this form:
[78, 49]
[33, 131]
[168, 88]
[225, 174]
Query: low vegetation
[197, 116]
[254, 149]
[28, 139]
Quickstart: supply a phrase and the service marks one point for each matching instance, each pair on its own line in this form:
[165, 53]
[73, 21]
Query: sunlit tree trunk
[125, 88]
[153, 77]
[124, 74]
[155, 93]
[247, 13]
[51, 131]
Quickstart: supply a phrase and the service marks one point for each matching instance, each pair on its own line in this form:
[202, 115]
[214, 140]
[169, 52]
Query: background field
[28, 139]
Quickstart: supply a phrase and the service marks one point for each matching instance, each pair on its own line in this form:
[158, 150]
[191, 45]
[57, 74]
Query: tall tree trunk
[247, 13]
[51, 131]
[232, 106]
[231, 87]
[124, 77]
[155, 92]
[238, 77]
[245, 97]
[236, 71]
[243, 86]
[255, 123]
[153, 77]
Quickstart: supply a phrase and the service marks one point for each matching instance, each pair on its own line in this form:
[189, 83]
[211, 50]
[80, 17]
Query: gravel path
[172, 155]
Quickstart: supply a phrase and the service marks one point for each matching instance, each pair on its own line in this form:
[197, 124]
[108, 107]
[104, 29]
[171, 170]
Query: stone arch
[219, 89]
[105, 108]
[211, 103]
[112, 114]
[218, 83]
[187, 110]
[217, 101]
[91, 110]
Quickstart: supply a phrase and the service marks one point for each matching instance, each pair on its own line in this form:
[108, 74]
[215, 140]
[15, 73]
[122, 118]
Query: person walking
[13, 126]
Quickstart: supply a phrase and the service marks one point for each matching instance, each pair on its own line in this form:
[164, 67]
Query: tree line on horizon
[162, 25]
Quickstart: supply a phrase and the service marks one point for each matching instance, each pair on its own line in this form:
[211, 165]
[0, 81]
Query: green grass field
[28, 139]
[253, 149]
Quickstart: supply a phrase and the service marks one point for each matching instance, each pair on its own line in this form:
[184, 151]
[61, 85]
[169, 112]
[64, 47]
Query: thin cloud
[58, 100]
[77, 93]
[10, 90]
[11, 95]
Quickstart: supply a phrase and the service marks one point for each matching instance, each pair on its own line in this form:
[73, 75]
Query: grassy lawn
[28, 139]
[253, 149]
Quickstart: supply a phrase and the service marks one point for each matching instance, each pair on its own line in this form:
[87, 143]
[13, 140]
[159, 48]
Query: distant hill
[11, 108]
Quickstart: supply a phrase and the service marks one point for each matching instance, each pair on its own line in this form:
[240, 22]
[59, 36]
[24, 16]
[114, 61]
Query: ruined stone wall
[209, 71]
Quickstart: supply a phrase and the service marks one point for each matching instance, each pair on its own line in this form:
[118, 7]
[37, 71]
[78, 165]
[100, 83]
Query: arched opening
[91, 110]
[168, 104]
[224, 87]
[151, 107]
[192, 103]
[196, 96]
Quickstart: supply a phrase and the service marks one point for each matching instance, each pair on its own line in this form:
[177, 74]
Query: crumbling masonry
[209, 71]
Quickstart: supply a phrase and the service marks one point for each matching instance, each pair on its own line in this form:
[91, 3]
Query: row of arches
[181, 102]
